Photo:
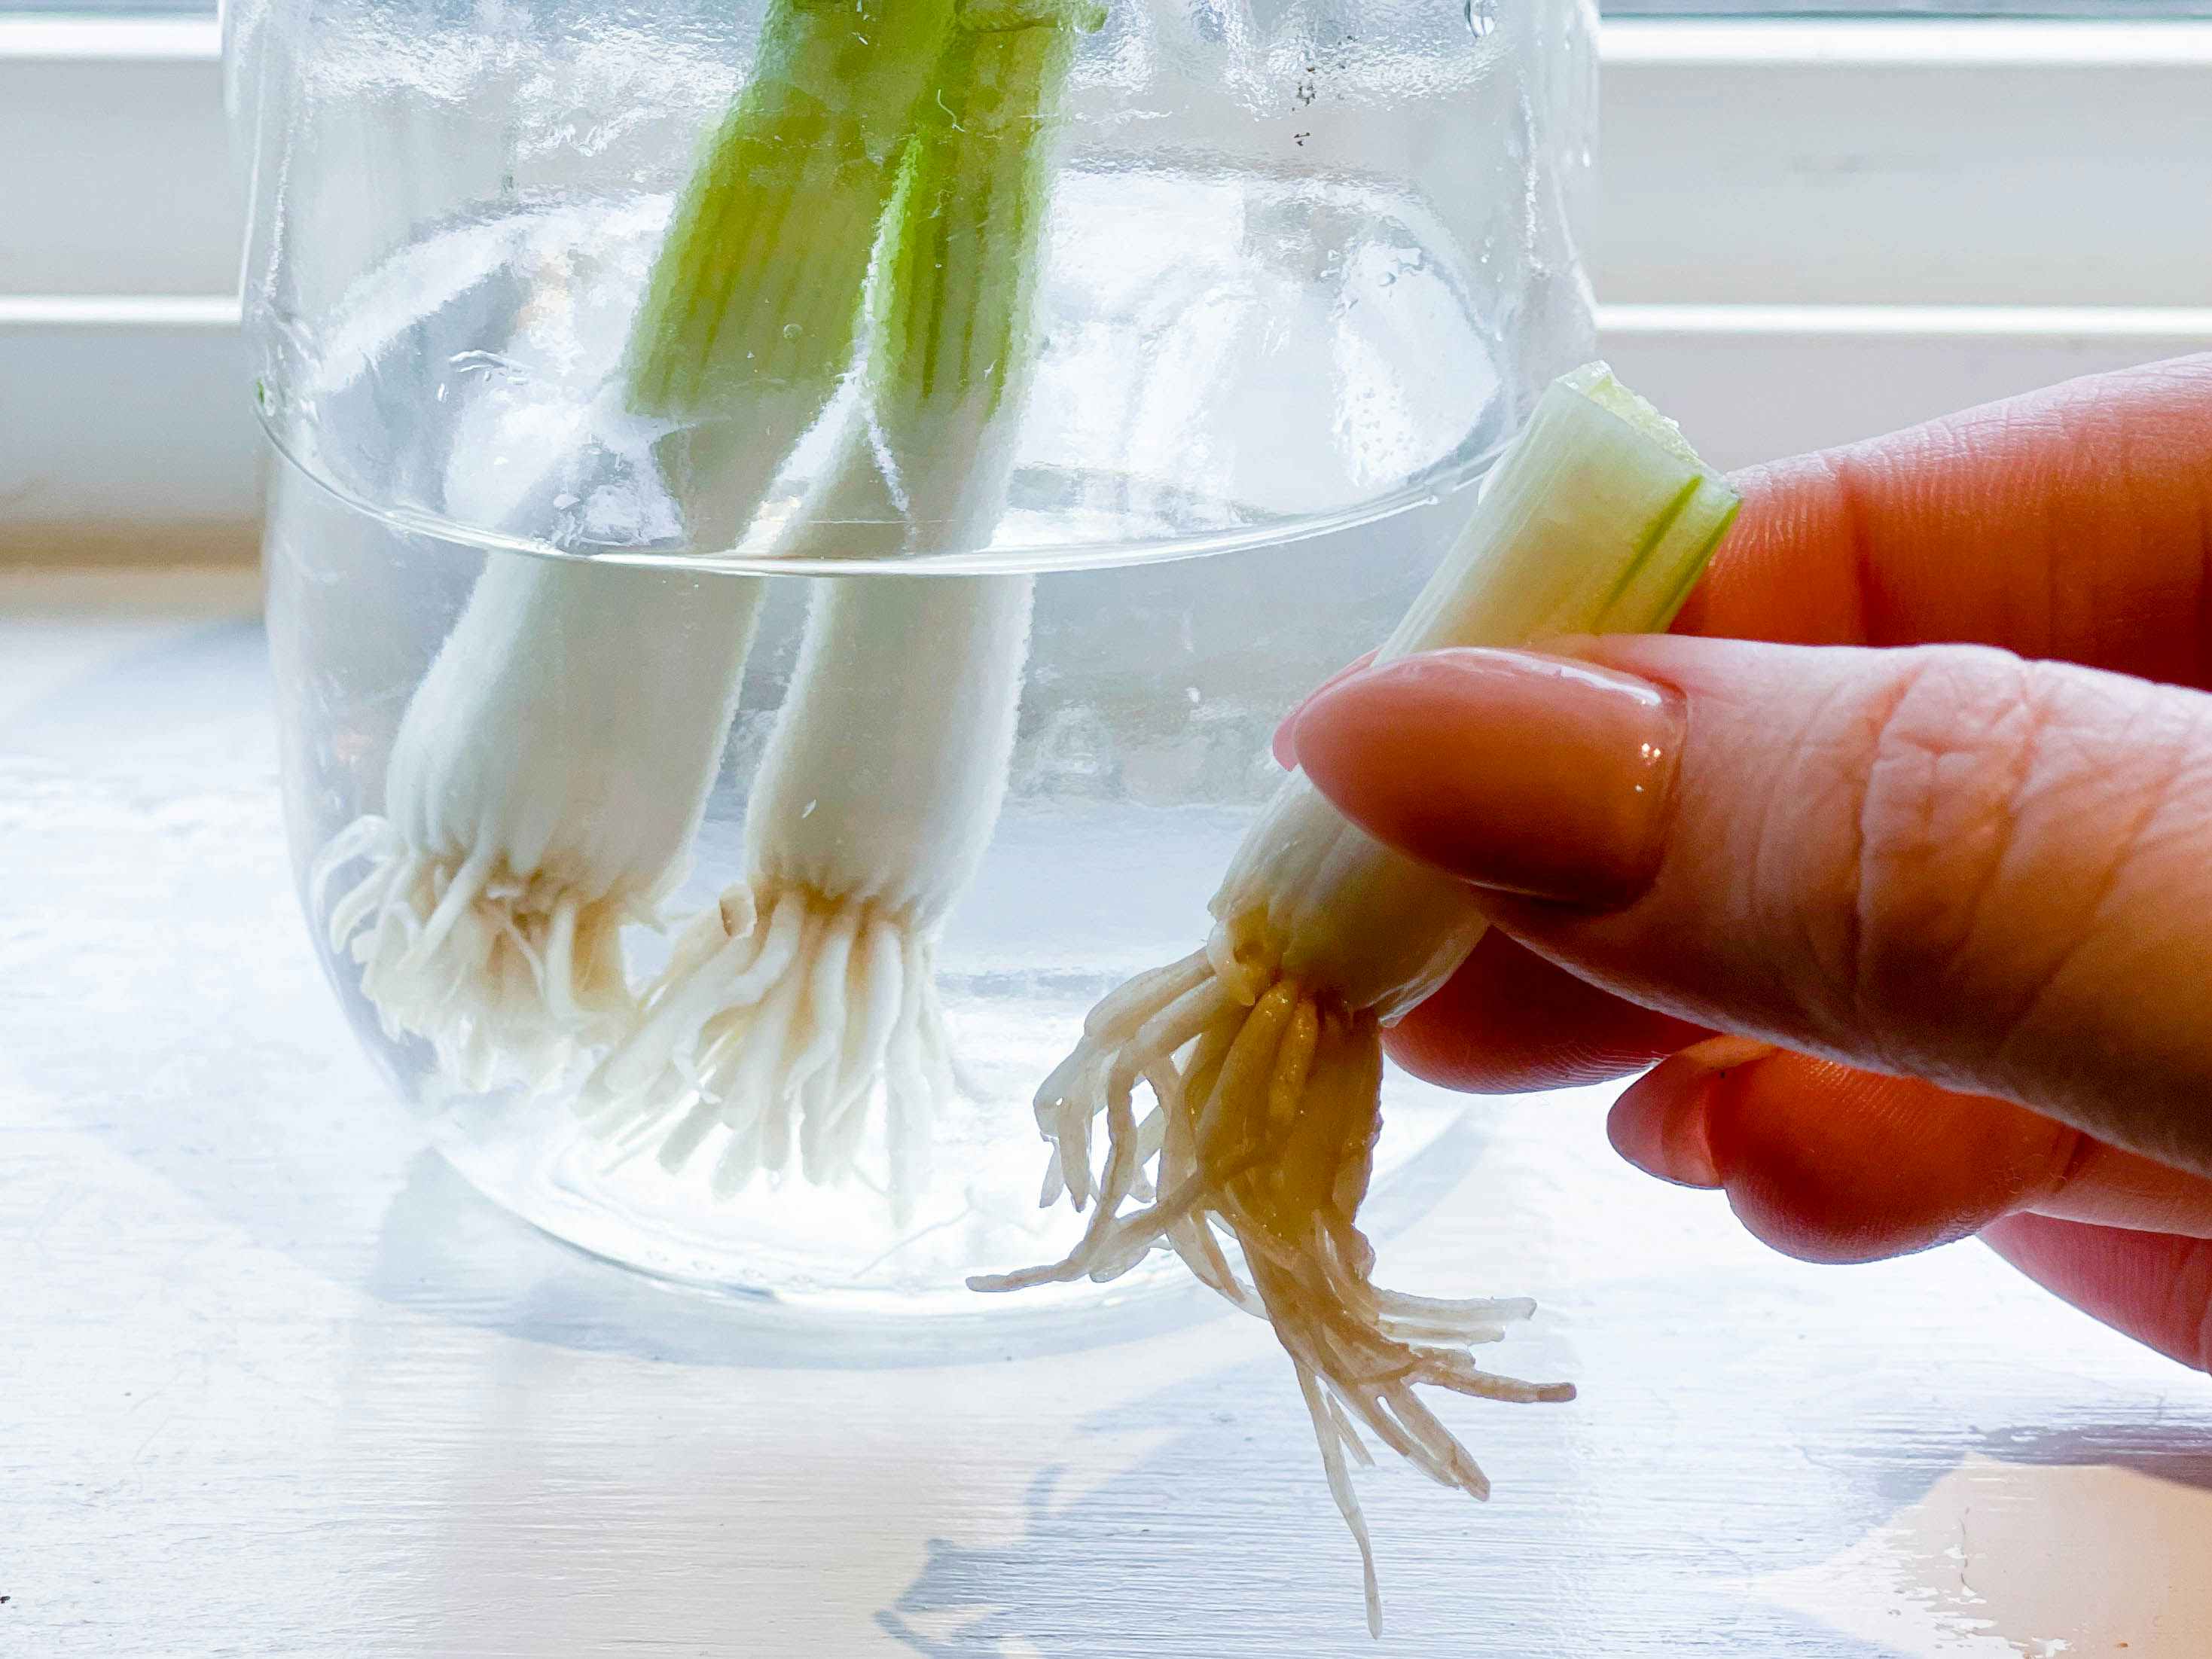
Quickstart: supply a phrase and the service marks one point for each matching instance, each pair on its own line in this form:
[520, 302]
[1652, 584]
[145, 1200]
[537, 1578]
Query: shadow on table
[1222, 1542]
[1603, 1536]
[2178, 1452]
[1218, 1536]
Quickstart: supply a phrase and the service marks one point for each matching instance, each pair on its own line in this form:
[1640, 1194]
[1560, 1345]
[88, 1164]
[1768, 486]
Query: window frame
[1810, 231]
[1806, 231]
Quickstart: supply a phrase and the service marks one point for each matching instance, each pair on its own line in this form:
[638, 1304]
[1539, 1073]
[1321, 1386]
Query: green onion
[553, 766]
[800, 1014]
[1263, 1050]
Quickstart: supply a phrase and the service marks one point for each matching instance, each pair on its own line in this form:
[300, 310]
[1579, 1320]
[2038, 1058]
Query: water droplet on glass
[1481, 18]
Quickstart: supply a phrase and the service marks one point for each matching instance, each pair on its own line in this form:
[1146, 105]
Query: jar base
[808, 1253]
[829, 1260]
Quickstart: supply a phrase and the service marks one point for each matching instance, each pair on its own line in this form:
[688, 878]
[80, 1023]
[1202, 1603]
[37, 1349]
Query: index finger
[2073, 523]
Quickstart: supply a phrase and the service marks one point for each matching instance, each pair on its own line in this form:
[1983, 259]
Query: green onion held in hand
[1263, 1050]
[552, 767]
[801, 1015]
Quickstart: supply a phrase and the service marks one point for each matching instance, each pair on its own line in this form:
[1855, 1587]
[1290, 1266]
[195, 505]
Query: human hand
[1949, 907]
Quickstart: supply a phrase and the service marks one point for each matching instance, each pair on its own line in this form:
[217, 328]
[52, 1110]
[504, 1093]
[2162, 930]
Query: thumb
[1943, 862]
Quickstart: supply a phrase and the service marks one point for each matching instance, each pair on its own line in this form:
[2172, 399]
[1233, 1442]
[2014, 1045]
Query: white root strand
[508, 979]
[785, 1038]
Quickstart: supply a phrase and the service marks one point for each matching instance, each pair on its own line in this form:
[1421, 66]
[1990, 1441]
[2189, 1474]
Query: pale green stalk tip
[1596, 381]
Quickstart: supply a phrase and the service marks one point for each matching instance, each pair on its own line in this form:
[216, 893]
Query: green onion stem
[756, 288]
[951, 308]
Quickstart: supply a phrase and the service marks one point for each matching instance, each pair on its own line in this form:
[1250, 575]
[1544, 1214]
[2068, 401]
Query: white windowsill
[1637, 40]
[1808, 231]
[1884, 42]
[60, 38]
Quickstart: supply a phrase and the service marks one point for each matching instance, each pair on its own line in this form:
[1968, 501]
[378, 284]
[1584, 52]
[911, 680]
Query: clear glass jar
[1301, 270]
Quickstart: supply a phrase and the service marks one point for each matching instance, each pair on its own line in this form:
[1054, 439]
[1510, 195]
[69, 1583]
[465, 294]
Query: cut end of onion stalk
[1263, 1051]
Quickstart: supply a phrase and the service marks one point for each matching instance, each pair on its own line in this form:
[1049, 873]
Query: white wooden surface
[273, 1382]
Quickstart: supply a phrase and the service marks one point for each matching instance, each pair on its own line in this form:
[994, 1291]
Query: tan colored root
[1264, 1135]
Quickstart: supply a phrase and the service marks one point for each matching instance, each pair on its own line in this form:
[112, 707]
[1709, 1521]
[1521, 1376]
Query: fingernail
[1658, 1124]
[1529, 774]
[1284, 741]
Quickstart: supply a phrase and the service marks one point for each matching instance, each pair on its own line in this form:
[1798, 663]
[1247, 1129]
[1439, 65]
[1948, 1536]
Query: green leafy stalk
[758, 285]
[951, 306]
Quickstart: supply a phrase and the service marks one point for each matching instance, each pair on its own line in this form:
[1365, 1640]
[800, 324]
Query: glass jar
[1283, 278]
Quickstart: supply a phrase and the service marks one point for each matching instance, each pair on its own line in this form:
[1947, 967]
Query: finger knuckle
[1952, 739]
